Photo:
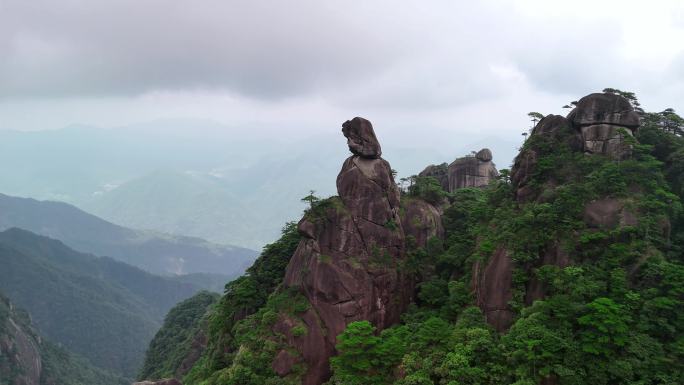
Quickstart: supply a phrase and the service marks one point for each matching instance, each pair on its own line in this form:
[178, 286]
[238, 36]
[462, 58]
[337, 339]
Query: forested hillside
[28, 359]
[102, 309]
[181, 340]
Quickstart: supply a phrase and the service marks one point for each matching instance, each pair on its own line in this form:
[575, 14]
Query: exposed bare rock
[421, 221]
[168, 381]
[554, 256]
[346, 265]
[361, 138]
[199, 344]
[20, 349]
[472, 171]
[484, 155]
[439, 172]
[476, 170]
[26, 354]
[606, 139]
[493, 287]
[604, 120]
[604, 108]
[283, 363]
[551, 124]
[608, 213]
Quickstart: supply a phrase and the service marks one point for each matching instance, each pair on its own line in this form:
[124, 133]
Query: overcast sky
[440, 70]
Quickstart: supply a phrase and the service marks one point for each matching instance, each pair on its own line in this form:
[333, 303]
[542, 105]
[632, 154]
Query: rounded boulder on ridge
[604, 108]
[361, 138]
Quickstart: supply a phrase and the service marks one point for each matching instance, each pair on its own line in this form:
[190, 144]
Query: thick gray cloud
[257, 48]
[442, 64]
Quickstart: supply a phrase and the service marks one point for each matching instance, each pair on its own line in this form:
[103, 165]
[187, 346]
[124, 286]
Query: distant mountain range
[102, 309]
[155, 252]
[227, 185]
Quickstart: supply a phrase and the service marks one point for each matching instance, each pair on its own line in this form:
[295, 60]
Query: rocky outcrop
[493, 284]
[476, 170]
[20, 359]
[346, 264]
[554, 255]
[169, 381]
[603, 121]
[472, 171]
[197, 347]
[604, 108]
[421, 221]
[439, 172]
[599, 124]
[608, 213]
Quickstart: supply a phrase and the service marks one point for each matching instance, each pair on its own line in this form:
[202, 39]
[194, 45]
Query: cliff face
[20, 360]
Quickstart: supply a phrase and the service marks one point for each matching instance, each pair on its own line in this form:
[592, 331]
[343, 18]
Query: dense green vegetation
[99, 308]
[174, 341]
[62, 367]
[613, 317]
[59, 367]
[243, 316]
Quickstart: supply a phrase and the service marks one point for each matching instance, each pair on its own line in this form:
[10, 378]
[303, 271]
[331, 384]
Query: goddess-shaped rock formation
[346, 265]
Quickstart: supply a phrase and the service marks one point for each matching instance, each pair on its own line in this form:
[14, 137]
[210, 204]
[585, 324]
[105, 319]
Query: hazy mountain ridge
[228, 185]
[155, 252]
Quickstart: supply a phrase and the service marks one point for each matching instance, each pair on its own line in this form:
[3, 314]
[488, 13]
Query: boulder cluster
[476, 170]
